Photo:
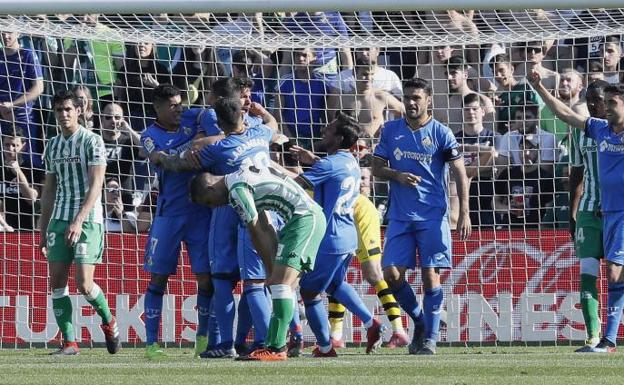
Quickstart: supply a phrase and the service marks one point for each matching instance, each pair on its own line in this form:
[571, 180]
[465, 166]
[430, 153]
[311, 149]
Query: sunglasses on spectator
[113, 190]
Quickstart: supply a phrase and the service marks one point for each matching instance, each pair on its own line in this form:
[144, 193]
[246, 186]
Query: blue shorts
[232, 255]
[431, 241]
[613, 236]
[162, 249]
[223, 241]
[249, 262]
[329, 271]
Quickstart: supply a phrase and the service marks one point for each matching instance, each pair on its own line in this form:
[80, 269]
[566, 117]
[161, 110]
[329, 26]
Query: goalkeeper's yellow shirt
[368, 229]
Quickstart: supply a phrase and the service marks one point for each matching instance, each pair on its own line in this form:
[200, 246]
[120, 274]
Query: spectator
[122, 145]
[328, 24]
[435, 72]
[450, 110]
[21, 83]
[147, 211]
[366, 103]
[478, 146]
[532, 54]
[116, 219]
[596, 71]
[526, 122]
[19, 185]
[140, 74]
[87, 116]
[512, 94]
[259, 68]
[383, 79]
[302, 102]
[570, 89]
[558, 211]
[612, 56]
[95, 63]
[523, 191]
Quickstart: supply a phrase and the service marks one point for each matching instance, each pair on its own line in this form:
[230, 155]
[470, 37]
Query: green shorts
[588, 235]
[299, 241]
[88, 249]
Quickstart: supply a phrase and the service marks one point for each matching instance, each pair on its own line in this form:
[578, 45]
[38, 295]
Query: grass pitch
[457, 366]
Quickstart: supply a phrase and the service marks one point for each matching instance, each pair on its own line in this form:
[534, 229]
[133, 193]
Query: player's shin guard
[432, 304]
[317, 318]
[336, 318]
[204, 299]
[63, 313]
[243, 321]
[282, 315]
[153, 304]
[223, 301]
[390, 305]
[615, 301]
[347, 295]
[589, 305]
[259, 309]
[407, 299]
[96, 298]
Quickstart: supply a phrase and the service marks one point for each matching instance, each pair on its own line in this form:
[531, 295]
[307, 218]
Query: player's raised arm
[559, 108]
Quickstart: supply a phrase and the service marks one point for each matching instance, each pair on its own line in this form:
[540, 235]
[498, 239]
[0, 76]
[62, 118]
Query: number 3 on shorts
[579, 235]
[51, 239]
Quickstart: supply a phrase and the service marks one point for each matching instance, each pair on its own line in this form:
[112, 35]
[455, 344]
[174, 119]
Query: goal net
[515, 280]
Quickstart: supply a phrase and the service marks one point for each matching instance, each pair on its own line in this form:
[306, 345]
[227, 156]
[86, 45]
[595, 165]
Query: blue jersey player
[609, 137]
[177, 218]
[231, 255]
[335, 180]
[413, 154]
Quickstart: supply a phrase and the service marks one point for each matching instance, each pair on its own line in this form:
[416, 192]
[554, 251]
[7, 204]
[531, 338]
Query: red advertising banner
[505, 286]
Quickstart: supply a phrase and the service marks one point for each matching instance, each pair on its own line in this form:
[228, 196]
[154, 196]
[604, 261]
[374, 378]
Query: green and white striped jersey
[584, 154]
[69, 159]
[252, 190]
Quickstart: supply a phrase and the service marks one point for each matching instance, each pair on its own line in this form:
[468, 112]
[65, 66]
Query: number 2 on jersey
[344, 204]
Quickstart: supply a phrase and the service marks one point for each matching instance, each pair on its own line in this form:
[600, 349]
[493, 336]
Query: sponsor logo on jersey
[610, 147]
[399, 155]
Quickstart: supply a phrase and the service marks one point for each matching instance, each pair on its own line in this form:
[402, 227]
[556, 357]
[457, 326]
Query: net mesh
[515, 280]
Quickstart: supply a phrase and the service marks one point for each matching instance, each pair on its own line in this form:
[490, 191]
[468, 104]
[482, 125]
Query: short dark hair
[616, 89]
[228, 112]
[164, 92]
[243, 58]
[348, 128]
[531, 107]
[63, 95]
[225, 88]
[614, 39]
[419, 84]
[242, 83]
[500, 59]
[455, 63]
[595, 65]
[472, 97]
[14, 132]
[598, 87]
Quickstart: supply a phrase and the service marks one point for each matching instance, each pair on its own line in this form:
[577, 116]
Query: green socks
[283, 309]
[589, 305]
[98, 301]
[62, 306]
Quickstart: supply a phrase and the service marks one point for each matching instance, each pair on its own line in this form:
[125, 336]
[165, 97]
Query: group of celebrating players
[244, 217]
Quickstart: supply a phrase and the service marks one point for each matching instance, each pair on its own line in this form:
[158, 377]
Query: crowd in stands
[515, 150]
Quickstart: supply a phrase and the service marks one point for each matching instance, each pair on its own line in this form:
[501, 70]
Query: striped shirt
[69, 159]
[584, 154]
[253, 190]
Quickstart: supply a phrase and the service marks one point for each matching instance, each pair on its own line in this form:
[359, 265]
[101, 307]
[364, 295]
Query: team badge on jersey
[426, 141]
[187, 130]
[149, 144]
